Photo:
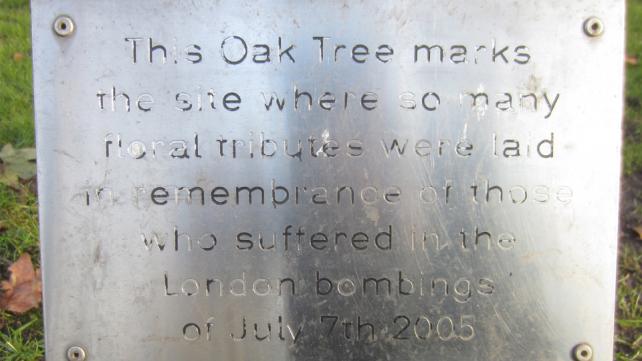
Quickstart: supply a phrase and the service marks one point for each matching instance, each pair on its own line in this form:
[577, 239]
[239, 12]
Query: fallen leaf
[631, 60]
[23, 291]
[18, 56]
[17, 164]
[638, 230]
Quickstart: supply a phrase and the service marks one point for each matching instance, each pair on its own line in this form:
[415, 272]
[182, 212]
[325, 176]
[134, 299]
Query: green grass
[23, 340]
[629, 303]
[16, 110]
[21, 336]
[629, 295]
[19, 216]
[633, 110]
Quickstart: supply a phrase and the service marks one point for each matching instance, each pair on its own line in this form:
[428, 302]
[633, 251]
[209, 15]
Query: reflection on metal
[328, 180]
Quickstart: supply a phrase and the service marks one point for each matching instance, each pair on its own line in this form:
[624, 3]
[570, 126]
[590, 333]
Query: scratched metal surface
[105, 291]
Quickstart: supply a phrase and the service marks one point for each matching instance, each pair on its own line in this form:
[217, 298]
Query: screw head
[63, 26]
[583, 352]
[76, 353]
[593, 27]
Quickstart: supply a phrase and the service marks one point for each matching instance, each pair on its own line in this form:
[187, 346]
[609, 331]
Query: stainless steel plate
[308, 180]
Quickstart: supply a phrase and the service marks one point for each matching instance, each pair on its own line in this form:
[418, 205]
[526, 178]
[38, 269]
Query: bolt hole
[63, 26]
[584, 353]
[593, 27]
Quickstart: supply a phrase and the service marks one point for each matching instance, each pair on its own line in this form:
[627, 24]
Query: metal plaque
[328, 180]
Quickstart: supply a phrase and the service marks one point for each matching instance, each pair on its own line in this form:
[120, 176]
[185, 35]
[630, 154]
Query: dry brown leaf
[23, 291]
[631, 60]
[17, 164]
[18, 56]
[638, 230]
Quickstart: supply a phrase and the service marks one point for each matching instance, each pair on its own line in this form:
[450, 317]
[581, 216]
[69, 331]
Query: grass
[21, 336]
[19, 215]
[629, 295]
[16, 109]
[23, 341]
[629, 322]
[633, 111]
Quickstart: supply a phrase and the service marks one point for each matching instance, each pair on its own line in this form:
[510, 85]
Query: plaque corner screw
[583, 352]
[593, 27]
[64, 26]
[76, 353]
